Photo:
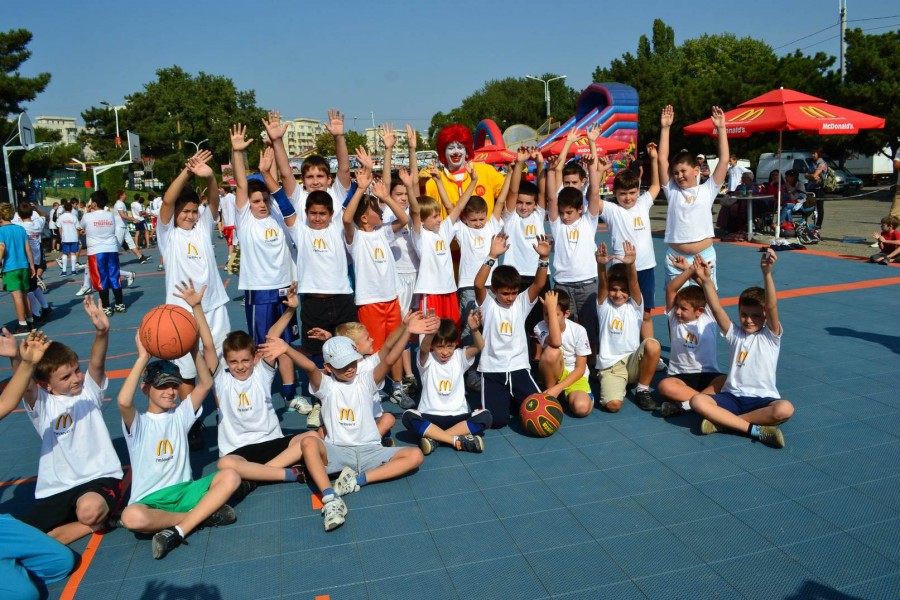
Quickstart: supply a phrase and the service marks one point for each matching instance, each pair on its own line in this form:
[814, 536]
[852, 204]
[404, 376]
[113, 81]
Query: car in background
[847, 181]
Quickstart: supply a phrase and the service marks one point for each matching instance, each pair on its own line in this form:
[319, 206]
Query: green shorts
[582, 385]
[180, 497]
[17, 280]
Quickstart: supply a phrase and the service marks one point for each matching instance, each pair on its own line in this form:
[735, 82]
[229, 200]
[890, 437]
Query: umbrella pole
[778, 204]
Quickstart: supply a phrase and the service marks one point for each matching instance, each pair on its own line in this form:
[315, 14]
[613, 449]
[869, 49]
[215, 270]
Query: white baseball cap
[339, 352]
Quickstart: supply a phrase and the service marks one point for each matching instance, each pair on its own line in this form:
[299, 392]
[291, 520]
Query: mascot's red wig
[455, 133]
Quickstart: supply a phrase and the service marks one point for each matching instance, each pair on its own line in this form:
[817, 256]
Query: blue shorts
[647, 283]
[104, 271]
[139, 226]
[709, 255]
[263, 308]
[740, 405]
[70, 247]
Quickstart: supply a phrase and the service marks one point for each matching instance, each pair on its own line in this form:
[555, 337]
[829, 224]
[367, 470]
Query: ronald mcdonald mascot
[454, 147]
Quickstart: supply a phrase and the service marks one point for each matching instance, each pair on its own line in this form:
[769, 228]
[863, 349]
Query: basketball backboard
[26, 131]
[134, 147]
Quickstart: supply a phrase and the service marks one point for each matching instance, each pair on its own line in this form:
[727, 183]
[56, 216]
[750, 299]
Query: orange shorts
[380, 319]
[445, 306]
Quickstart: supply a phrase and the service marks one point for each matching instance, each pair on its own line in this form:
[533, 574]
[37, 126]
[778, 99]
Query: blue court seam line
[839, 532]
[849, 588]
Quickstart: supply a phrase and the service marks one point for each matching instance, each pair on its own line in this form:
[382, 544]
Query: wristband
[283, 202]
[490, 262]
[543, 264]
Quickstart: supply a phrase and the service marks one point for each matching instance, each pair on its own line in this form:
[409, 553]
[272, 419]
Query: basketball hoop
[148, 163]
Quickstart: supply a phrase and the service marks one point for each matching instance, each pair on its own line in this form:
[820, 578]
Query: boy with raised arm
[79, 482]
[506, 379]
[749, 402]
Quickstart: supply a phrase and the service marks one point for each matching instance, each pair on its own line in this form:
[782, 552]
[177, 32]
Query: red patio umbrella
[493, 154]
[581, 147]
[786, 110]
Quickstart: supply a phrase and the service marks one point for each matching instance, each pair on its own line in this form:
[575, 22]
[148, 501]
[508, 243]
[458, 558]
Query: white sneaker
[301, 405]
[473, 381]
[41, 284]
[875, 245]
[346, 482]
[661, 365]
[129, 279]
[314, 418]
[334, 513]
[59, 260]
[85, 289]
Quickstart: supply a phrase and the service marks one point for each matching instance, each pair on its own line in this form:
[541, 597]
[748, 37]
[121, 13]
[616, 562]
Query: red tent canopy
[581, 147]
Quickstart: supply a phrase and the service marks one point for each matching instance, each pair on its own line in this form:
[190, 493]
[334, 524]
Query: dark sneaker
[469, 443]
[165, 541]
[410, 384]
[224, 516]
[120, 308]
[771, 436]
[388, 442]
[243, 490]
[671, 409]
[144, 259]
[108, 311]
[427, 445]
[399, 396]
[22, 330]
[707, 427]
[195, 437]
[645, 400]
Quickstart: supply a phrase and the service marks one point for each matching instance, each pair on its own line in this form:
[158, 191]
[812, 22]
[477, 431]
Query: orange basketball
[168, 332]
[541, 415]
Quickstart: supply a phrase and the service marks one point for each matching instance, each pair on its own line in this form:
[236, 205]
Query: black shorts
[325, 313]
[51, 512]
[139, 226]
[263, 452]
[697, 381]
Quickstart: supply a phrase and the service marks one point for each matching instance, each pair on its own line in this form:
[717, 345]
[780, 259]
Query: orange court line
[323, 597]
[17, 481]
[317, 502]
[86, 557]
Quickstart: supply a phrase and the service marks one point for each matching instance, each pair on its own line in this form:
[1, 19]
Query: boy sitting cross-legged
[164, 498]
[352, 441]
[749, 401]
[443, 415]
[79, 476]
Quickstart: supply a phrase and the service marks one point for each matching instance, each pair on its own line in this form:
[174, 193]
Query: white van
[803, 163]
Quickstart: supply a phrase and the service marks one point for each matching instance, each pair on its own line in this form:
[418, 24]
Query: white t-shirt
[474, 246]
[405, 257]
[574, 248]
[298, 199]
[689, 212]
[373, 261]
[68, 227]
[436, 265]
[228, 209]
[158, 447]
[693, 344]
[189, 254]
[365, 367]
[443, 385]
[347, 410]
[75, 443]
[137, 210]
[754, 361]
[505, 339]
[620, 330]
[574, 342]
[321, 257]
[522, 237]
[155, 206]
[734, 176]
[117, 217]
[631, 224]
[246, 414]
[265, 252]
[34, 227]
[100, 228]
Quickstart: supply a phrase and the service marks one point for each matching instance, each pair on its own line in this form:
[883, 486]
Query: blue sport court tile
[569, 461]
[649, 553]
[840, 560]
[889, 423]
[798, 479]
[752, 456]
[574, 568]
[881, 537]
[695, 583]
[678, 505]
[643, 478]
[624, 590]
[187, 556]
[632, 422]
[177, 584]
[862, 407]
[548, 529]
[354, 591]
[525, 445]
[109, 589]
[615, 454]
[455, 509]
[848, 508]
[240, 543]
[574, 490]
[881, 588]
[386, 493]
[740, 492]
[702, 466]
[521, 499]
[410, 587]
[719, 538]
[510, 577]
[886, 491]
[765, 575]
[499, 473]
[268, 506]
[379, 522]
[313, 571]
[474, 543]
[786, 522]
[665, 444]
[430, 483]
[852, 467]
[616, 517]
[585, 433]
[257, 578]
[407, 554]
[110, 563]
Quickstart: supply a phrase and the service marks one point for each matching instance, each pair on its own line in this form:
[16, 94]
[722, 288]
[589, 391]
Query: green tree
[325, 142]
[508, 102]
[15, 88]
[36, 163]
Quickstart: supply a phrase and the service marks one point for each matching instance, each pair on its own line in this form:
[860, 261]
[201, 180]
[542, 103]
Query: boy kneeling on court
[164, 498]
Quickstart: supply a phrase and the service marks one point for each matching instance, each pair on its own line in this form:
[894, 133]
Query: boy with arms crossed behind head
[505, 370]
[165, 500]
[749, 402]
[79, 477]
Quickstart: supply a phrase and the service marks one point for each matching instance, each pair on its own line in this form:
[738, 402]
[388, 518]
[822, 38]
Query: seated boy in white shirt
[749, 402]
[623, 359]
[165, 500]
[443, 415]
[565, 346]
[79, 482]
[693, 367]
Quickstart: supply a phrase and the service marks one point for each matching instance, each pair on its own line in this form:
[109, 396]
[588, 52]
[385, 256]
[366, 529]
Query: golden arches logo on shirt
[690, 338]
[741, 358]
[164, 448]
[573, 235]
[445, 386]
[270, 234]
[345, 415]
[530, 230]
[319, 245]
[63, 423]
[505, 328]
[638, 223]
[616, 326]
[478, 242]
[192, 250]
[378, 255]
[440, 247]
[817, 113]
[243, 400]
[751, 114]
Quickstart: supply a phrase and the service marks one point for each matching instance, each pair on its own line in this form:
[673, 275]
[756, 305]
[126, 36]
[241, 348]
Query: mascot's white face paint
[455, 156]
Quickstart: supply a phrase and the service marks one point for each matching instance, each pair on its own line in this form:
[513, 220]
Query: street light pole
[116, 111]
[546, 83]
[196, 145]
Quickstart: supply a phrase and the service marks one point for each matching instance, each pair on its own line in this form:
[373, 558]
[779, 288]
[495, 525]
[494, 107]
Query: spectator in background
[735, 173]
[704, 168]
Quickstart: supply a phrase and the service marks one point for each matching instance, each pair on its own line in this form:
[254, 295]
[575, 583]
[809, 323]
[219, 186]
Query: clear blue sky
[403, 60]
